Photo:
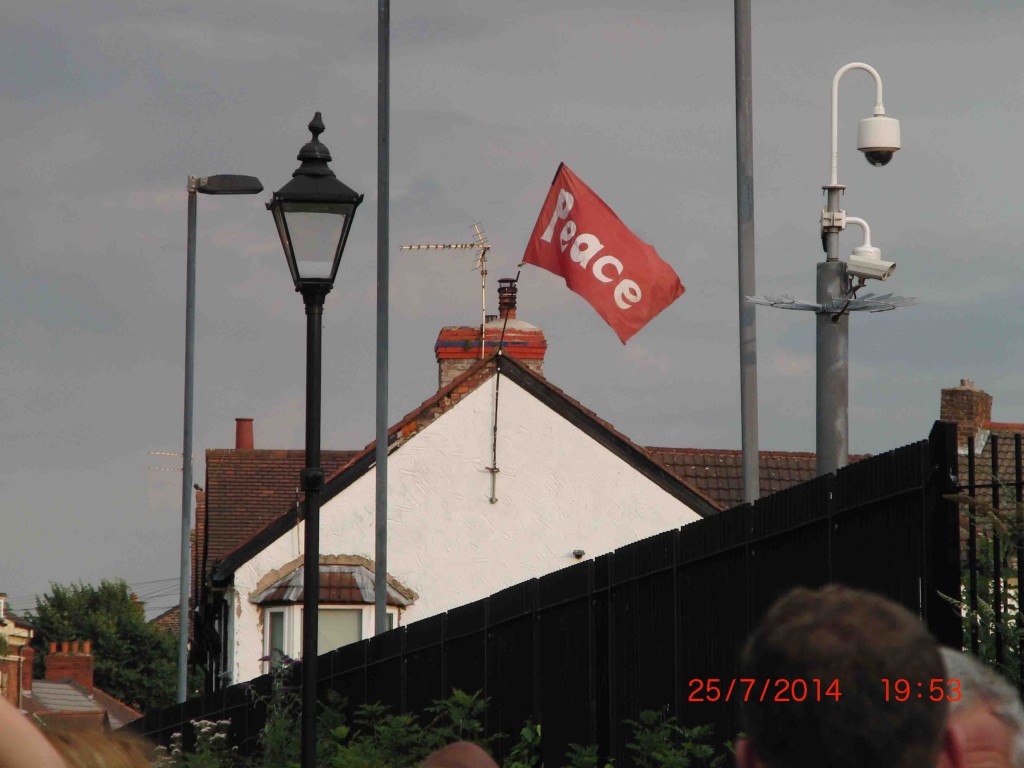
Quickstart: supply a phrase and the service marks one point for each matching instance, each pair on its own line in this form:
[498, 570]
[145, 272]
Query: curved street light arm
[864, 226]
[879, 110]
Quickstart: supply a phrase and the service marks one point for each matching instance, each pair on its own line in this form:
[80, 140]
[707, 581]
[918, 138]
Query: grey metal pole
[745, 237]
[380, 571]
[832, 383]
[186, 447]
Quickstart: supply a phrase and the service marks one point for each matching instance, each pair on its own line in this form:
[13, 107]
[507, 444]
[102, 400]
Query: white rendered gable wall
[558, 490]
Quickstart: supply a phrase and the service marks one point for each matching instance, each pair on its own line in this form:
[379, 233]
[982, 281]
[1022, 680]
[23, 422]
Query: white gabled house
[498, 478]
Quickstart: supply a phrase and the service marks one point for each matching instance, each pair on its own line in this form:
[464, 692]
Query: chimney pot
[507, 298]
[53, 647]
[74, 647]
[87, 648]
[243, 435]
[65, 646]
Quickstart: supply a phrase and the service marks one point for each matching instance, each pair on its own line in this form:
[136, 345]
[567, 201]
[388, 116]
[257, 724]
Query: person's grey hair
[982, 685]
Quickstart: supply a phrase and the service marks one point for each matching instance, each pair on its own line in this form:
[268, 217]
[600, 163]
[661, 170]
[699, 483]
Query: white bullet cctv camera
[866, 261]
[878, 138]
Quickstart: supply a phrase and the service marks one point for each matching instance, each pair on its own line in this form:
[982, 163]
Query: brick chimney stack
[73, 662]
[458, 347]
[971, 409]
[243, 435]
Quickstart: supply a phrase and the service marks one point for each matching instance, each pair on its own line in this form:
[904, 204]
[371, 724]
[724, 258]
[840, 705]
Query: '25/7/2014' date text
[714, 689]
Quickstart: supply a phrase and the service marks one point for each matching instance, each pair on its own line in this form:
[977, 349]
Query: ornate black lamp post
[313, 213]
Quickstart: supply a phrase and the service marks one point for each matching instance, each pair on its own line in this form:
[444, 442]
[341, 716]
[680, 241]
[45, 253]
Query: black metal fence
[583, 649]
[991, 497]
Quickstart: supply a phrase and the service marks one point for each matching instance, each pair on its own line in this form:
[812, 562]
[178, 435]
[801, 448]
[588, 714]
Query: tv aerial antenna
[166, 453]
[482, 246]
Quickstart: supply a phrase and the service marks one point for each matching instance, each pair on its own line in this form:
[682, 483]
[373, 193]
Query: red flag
[578, 237]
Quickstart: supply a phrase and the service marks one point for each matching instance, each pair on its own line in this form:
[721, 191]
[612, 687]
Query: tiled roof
[1002, 435]
[50, 700]
[245, 490]
[169, 621]
[61, 697]
[345, 579]
[719, 473]
[118, 712]
[17, 619]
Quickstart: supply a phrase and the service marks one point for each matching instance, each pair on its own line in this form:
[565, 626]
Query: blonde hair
[98, 749]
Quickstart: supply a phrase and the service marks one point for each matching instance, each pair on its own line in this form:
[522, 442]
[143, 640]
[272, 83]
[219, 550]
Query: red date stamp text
[712, 689]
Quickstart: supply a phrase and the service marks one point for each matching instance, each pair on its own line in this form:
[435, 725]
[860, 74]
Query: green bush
[377, 738]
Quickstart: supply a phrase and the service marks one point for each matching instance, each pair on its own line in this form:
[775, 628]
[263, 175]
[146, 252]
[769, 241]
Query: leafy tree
[134, 661]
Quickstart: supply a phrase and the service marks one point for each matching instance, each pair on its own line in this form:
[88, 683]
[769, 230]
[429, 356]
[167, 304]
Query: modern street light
[313, 213]
[878, 137]
[224, 184]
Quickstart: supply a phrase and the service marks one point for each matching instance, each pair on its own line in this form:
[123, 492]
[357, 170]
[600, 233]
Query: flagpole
[745, 232]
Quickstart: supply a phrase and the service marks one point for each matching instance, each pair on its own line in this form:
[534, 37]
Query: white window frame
[288, 639]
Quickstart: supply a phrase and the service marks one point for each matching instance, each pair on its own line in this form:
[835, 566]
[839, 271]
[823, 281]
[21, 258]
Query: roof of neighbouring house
[246, 490]
[65, 699]
[1004, 436]
[169, 620]
[719, 472]
[16, 619]
[443, 401]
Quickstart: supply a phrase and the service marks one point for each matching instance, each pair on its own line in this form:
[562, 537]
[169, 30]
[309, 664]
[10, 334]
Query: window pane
[315, 237]
[276, 636]
[338, 627]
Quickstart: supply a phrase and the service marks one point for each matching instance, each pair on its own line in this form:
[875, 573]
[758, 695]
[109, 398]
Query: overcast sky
[107, 107]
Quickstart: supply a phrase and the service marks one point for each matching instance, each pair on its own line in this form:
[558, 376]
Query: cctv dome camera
[878, 138]
[878, 157]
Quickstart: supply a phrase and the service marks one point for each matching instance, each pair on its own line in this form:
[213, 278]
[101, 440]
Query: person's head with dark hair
[842, 644]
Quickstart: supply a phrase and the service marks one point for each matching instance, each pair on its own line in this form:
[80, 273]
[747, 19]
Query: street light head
[313, 213]
[229, 184]
[878, 138]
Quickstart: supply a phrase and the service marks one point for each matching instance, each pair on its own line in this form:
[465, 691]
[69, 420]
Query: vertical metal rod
[380, 571]
[972, 547]
[832, 381]
[312, 482]
[997, 571]
[186, 447]
[1019, 541]
[745, 232]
